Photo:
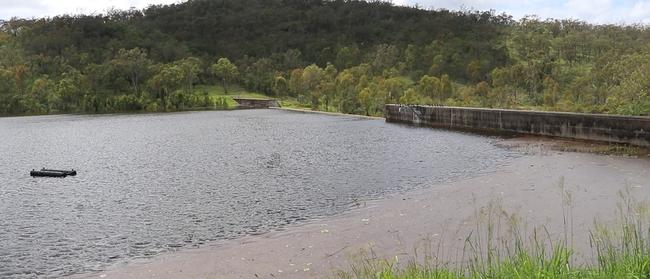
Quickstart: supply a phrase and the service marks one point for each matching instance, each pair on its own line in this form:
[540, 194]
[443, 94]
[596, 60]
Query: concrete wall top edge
[253, 99]
[595, 115]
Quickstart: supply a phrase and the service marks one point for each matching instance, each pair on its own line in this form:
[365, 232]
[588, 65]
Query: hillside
[348, 56]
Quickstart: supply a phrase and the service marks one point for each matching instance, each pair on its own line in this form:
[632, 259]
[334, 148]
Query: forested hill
[261, 28]
[317, 28]
[350, 56]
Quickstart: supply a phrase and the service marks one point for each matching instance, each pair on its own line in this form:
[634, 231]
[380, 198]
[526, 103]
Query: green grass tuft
[490, 252]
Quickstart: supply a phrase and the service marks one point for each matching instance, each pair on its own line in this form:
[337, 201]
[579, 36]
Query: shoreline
[327, 113]
[122, 112]
[193, 110]
[400, 225]
[512, 140]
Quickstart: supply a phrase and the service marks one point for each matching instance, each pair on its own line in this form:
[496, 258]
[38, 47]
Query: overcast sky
[596, 11]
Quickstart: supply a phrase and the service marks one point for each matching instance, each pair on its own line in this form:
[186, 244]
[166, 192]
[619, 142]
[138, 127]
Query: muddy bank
[398, 226]
[530, 144]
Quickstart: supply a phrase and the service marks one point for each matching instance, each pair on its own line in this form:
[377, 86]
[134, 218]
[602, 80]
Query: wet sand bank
[530, 187]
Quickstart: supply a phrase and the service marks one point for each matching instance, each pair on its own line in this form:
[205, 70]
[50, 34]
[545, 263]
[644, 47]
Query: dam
[634, 130]
[252, 103]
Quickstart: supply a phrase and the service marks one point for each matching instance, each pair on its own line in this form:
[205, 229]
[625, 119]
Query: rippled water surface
[154, 183]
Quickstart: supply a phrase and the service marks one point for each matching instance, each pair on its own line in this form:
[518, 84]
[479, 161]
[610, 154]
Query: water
[148, 184]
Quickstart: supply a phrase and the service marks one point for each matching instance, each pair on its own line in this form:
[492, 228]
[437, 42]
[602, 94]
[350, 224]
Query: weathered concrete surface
[256, 103]
[596, 127]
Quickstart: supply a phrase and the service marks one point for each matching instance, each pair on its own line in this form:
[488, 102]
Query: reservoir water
[154, 183]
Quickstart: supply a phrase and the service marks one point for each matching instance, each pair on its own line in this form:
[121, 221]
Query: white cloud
[596, 11]
[588, 8]
[641, 12]
[42, 8]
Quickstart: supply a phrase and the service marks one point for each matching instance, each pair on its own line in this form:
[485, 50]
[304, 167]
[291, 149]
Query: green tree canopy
[226, 71]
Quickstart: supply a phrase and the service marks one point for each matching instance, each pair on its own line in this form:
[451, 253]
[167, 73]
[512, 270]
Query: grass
[534, 144]
[616, 149]
[491, 252]
[235, 91]
[217, 92]
[292, 103]
[625, 150]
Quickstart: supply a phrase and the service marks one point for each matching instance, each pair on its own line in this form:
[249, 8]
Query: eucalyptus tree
[135, 64]
[166, 79]
[312, 77]
[280, 86]
[190, 68]
[226, 71]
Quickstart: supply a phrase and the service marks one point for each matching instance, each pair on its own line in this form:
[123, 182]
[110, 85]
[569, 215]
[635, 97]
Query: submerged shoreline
[399, 226]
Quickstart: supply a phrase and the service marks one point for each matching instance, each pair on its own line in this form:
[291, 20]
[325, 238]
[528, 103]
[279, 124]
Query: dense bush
[344, 55]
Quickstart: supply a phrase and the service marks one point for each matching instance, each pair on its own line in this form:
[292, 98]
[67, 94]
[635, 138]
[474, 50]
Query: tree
[582, 94]
[410, 96]
[280, 86]
[295, 82]
[226, 71]
[446, 88]
[260, 75]
[40, 95]
[20, 74]
[474, 71]
[312, 76]
[366, 100]
[135, 64]
[189, 68]
[70, 92]
[292, 59]
[482, 91]
[505, 86]
[430, 87]
[328, 85]
[392, 89]
[167, 78]
[530, 46]
[8, 89]
[347, 57]
[412, 57]
[631, 94]
[551, 92]
[437, 65]
[346, 97]
[386, 56]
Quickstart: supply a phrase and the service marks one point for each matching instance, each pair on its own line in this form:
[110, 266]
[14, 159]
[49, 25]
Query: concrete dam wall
[249, 103]
[596, 127]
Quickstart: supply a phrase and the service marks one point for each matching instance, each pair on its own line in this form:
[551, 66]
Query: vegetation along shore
[343, 56]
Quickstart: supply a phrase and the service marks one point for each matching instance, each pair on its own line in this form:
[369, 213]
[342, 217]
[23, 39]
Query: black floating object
[67, 172]
[52, 173]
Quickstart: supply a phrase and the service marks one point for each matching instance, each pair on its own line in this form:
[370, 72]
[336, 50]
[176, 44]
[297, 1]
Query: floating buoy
[52, 173]
[67, 172]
